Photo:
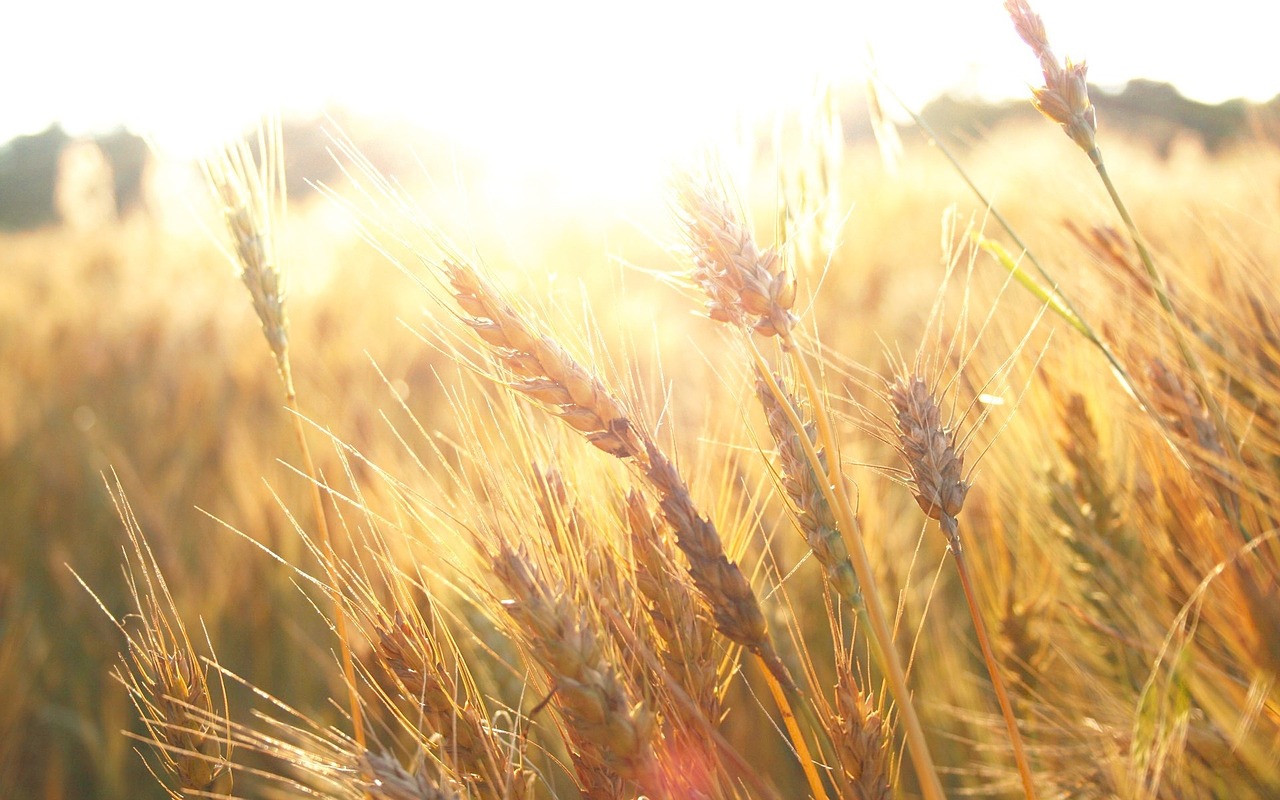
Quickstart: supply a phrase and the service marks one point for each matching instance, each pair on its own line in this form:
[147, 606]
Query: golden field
[526, 615]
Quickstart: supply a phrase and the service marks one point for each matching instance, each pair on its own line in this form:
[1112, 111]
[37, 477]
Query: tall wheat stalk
[935, 461]
[253, 200]
[751, 290]
[543, 371]
[1064, 98]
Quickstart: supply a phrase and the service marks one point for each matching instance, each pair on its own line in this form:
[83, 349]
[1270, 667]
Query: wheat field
[863, 484]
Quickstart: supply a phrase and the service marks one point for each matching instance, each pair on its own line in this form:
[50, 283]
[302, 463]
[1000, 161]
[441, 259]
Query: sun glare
[574, 98]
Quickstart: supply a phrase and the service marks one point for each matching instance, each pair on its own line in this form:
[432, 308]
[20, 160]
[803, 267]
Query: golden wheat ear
[612, 733]
[750, 289]
[814, 515]
[934, 459]
[251, 195]
[1064, 98]
[166, 678]
[383, 777]
[934, 455]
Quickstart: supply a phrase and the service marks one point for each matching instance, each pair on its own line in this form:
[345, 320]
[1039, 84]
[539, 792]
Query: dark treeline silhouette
[44, 176]
[28, 178]
[32, 166]
[1151, 112]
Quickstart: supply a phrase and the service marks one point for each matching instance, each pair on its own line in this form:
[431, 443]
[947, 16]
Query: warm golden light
[597, 85]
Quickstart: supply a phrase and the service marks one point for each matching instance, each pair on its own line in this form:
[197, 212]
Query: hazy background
[601, 93]
[544, 137]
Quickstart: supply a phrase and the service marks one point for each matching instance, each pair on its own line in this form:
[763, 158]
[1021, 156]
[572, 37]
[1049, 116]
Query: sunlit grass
[1124, 558]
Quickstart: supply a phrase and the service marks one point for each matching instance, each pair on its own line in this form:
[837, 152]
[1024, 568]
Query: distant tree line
[1149, 111]
[51, 178]
[34, 169]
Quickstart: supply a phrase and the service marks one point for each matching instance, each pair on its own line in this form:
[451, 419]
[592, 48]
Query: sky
[574, 81]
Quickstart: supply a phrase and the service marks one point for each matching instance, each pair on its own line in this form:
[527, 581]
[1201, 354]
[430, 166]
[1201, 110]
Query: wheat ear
[408, 653]
[383, 777]
[717, 239]
[814, 515]
[165, 679]
[612, 734]
[252, 197]
[935, 460]
[546, 373]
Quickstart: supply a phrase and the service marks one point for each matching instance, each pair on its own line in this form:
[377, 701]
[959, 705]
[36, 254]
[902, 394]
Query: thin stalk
[873, 610]
[1073, 316]
[1171, 317]
[1162, 294]
[253, 198]
[330, 558]
[949, 526]
[793, 729]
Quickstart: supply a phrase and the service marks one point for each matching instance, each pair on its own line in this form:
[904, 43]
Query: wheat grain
[611, 733]
[929, 447]
[1065, 96]
[812, 511]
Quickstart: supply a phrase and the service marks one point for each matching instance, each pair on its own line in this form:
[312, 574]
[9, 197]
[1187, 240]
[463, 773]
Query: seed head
[1064, 98]
[933, 456]
[744, 284]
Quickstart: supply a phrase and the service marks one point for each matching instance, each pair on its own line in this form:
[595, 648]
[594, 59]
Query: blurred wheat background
[1118, 527]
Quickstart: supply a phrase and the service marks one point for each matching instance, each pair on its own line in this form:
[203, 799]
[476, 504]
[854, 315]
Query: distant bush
[32, 166]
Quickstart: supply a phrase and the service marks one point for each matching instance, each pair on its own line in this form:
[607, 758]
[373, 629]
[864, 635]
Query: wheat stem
[752, 290]
[793, 729]
[252, 194]
[949, 526]
[873, 609]
[331, 576]
[1166, 304]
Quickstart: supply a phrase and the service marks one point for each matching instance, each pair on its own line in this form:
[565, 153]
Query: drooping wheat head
[546, 373]
[166, 679]
[1064, 98]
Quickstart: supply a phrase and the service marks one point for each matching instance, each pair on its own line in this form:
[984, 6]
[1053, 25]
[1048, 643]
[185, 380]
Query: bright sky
[567, 81]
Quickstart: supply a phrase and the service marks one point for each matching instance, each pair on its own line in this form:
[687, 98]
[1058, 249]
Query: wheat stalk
[546, 373]
[935, 460]
[1065, 99]
[252, 198]
[734, 275]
